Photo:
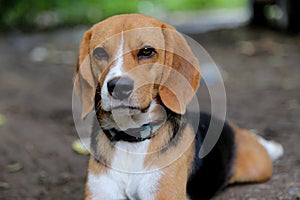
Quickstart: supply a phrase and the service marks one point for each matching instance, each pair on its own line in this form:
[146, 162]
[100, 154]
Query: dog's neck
[135, 134]
[104, 140]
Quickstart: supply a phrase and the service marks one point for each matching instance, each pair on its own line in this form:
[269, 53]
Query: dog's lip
[143, 110]
[125, 107]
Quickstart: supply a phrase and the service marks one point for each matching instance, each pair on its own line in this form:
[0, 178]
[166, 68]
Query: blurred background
[32, 16]
[255, 44]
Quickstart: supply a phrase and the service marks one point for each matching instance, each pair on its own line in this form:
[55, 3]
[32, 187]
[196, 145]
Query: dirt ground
[263, 93]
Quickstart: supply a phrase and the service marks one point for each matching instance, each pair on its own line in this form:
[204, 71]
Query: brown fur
[173, 183]
[184, 74]
[253, 163]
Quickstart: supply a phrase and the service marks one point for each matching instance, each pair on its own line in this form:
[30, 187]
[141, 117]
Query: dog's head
[131, 67]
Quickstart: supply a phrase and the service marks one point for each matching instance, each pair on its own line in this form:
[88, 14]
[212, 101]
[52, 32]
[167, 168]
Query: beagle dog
[139, 75]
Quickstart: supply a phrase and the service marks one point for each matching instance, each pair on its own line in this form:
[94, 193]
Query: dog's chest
[126, 178]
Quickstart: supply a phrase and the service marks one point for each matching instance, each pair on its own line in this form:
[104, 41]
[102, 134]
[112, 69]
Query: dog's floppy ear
[181, 73]
[83, 77]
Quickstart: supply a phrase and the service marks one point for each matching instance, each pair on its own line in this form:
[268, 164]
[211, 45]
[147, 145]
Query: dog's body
[140, 75]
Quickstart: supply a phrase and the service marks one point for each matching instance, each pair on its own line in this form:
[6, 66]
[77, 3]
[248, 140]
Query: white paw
[274, 149]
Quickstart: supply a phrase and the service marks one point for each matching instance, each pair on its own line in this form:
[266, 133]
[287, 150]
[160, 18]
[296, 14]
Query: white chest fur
[127, 178]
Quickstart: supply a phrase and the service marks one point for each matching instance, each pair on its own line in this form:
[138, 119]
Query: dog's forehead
[141, 28]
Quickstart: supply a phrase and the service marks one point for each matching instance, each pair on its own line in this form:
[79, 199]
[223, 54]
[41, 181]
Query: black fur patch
[210, 174]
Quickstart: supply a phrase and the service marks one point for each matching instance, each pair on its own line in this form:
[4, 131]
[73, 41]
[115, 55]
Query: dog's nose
[120, 87]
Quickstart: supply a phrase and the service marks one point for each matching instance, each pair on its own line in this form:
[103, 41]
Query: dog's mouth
[126, 118]
[132, 108]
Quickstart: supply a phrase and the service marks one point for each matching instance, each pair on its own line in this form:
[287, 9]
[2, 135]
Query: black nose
[120, 87]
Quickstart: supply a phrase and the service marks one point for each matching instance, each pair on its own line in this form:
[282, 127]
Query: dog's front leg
[170, 192]
[99, 184]
[101, 187]
[173, 183]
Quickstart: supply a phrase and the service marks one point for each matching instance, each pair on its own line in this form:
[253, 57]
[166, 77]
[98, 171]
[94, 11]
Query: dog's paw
[274, 149]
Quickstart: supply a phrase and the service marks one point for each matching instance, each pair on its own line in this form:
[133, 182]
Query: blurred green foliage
[199, 4]
[31, 15]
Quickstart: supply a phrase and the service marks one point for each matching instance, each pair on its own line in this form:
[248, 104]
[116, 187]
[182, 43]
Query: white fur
[103, 187]
[274, 149]
[127, 178]
[115, 71]
[129, 157]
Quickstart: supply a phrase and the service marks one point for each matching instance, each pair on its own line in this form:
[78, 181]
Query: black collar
[135, 134]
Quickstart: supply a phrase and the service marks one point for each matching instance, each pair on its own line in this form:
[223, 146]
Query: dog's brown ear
[83, 77]
[181, 72]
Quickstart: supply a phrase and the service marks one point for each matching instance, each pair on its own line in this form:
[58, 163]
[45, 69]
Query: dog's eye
[100, 54]
[146, 52]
